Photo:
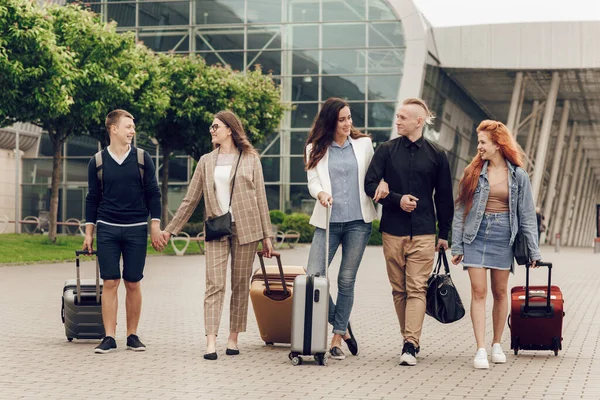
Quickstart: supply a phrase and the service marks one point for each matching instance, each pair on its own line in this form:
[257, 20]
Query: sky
[475, 12]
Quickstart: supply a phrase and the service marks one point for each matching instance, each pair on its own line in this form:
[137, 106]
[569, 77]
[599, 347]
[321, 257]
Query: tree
[198, 92]
[105, 74]
[35, 72]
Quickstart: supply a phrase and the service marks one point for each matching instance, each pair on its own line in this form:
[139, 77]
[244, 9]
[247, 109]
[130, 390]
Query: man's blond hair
[429, 116]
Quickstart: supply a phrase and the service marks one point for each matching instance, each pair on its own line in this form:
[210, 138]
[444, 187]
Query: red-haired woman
[494, 203]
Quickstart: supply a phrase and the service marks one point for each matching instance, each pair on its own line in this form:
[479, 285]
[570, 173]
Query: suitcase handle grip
[264, 271]
[548, 294]
[87, 253]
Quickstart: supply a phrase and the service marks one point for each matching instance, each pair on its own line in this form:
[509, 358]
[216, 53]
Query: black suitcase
[82, 306]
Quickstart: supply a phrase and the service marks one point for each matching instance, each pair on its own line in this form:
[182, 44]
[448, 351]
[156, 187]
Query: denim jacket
[521, 208]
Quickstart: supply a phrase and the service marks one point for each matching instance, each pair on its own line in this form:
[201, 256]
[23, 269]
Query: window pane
[273, 148]
[305, 88]
[381, 115]
[298, 140]
[164, 14]
[82, 146]
[346, 87]
[270, 61]
[380, 10]
[303, 115]
[222, 39]
[273, 196]
[234, 59]
[297, 172]
[264, 11]
[344, 62]
[264, 38]
[305, 11]
[344, 10]
[344, 35]
[386, 61]
[220, 12]
[305, 36]
[166, 41]
[379, 136]
[357, 111]
[388, 34]
[122, 14]
[300, 199]
[305, 62]
[384, 87]
[270, 168]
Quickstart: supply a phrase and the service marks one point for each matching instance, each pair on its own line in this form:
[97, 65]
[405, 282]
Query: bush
[375, 239]
[298, 222]
[277, 216]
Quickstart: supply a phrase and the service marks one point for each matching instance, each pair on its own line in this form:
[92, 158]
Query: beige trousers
[409, 264]
[242, 258]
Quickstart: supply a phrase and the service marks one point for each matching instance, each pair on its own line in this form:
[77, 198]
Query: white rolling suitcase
[310, 308]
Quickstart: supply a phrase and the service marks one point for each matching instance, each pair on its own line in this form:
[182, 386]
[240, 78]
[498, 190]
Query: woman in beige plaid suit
[251, 223]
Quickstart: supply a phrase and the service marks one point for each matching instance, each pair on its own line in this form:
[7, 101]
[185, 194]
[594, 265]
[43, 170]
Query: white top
[318, 181]
[222, 183]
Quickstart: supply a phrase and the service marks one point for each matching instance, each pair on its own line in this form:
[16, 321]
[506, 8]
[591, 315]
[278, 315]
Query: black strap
[442, 258]
[308, 315]
[233, 183]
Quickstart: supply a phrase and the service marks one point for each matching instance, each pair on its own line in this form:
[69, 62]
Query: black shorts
[131, 242]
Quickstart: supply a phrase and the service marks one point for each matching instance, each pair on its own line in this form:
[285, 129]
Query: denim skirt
[490, 248]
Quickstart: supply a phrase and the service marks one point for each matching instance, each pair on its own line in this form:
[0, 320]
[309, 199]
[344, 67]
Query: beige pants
[409, 264]
[242, 258]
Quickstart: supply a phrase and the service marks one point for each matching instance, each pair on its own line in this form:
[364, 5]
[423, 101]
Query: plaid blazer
[249, 203]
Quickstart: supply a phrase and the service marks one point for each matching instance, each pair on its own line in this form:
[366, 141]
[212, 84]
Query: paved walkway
[36, 361]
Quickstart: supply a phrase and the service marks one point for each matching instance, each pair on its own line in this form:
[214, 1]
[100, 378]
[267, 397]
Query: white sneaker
[481, 359]
[498, 356]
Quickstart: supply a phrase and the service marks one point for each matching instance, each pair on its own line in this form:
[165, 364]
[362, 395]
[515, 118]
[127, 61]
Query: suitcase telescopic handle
[264, 271]
[327, 223]
[79, 253]
[548, 294]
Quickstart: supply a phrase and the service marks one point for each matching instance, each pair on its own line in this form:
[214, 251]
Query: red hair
[501, 136]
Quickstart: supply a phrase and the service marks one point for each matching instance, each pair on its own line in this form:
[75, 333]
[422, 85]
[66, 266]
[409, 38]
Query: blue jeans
[353, 236]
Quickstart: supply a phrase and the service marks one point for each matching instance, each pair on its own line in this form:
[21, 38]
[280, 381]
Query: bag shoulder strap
[99, 168]
[233, 183]
[140, 161]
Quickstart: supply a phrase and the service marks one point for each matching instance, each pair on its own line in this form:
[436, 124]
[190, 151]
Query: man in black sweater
[122, 193]
[415, 169]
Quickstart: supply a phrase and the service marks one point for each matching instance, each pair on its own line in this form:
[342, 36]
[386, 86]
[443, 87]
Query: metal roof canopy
[493, 89]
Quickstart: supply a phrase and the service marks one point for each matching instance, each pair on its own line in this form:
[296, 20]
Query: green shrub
[277, 216]
[375, 239]
[298, 222]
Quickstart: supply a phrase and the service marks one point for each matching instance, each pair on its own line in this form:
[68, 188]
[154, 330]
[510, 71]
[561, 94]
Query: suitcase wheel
[269, 343]
[516, 350]
[321, 359]
[295, 360]
[556, 345]
[70, 339]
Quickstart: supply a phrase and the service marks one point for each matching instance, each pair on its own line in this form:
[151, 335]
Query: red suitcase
[536, 318]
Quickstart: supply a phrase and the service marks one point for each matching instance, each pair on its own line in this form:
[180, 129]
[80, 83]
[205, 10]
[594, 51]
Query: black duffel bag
[443, 301]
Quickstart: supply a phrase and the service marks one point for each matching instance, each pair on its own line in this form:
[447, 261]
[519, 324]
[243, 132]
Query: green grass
[27, 249]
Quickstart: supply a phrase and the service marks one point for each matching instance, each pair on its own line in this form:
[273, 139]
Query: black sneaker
[134, 343]
[336, 353]
[351, 342]
[108, 344]
[409, 354]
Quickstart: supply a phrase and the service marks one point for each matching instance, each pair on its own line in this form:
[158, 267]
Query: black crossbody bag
[520, 249]
[216, 228]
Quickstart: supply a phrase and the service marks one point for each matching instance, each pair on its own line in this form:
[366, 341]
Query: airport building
[541, 79]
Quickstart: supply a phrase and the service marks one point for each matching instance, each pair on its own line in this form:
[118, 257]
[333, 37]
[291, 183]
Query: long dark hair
[237, 131]
[322, 132]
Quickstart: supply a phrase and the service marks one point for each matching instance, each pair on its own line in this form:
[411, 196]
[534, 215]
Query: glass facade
[315, 49]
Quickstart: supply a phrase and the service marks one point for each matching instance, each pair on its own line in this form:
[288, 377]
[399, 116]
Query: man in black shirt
[420, 186]
[122, 193]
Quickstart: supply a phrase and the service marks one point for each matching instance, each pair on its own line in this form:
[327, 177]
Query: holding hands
[158, 240]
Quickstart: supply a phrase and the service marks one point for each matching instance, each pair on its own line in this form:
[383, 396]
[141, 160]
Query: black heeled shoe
[232, 352]
[210, 356]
